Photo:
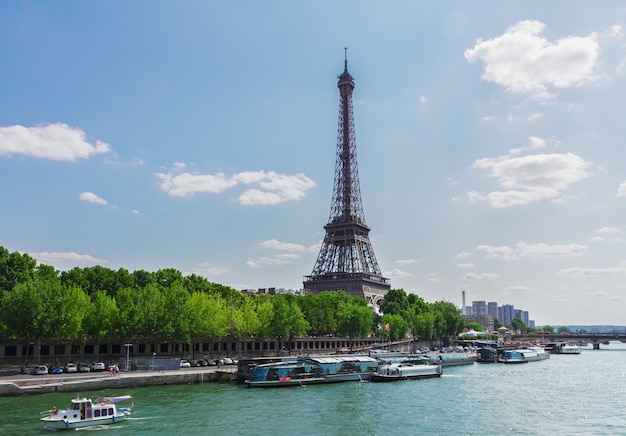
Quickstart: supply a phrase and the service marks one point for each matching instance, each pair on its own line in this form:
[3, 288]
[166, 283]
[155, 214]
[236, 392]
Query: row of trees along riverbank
[38, 302]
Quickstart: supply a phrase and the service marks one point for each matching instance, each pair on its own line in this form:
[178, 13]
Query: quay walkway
[24, 384]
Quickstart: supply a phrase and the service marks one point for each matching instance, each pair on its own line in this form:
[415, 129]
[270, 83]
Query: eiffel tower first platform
[346, 260]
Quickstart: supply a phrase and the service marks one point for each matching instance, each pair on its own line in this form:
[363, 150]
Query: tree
[320, 311]
[518, 325]
[100, 322]
[15, 268]
[426, 326]
[397, 327]
[453, 322]
[395, 302]
[174, 322]
[265, 313]
[475, 326]
[207, 316]
[288, 320]
[355, 320]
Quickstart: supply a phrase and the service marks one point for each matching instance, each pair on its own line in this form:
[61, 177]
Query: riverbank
[40, 384]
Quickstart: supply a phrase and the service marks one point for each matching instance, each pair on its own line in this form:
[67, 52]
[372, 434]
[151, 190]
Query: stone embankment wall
[24, 385]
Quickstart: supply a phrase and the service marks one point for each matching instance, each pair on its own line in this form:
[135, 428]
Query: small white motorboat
[83, 412]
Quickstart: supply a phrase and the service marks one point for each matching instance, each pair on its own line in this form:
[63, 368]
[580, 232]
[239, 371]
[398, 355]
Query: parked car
[227, 361]
[83, 367]
[185, 364]
[40, 370]
[211, 362]
[54, 369]
[97, 366]
[70, 367]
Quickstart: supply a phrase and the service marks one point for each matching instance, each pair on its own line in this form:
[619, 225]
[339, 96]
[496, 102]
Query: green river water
[567, 394]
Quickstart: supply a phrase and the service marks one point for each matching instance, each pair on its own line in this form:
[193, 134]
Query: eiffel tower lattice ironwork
[346, 260]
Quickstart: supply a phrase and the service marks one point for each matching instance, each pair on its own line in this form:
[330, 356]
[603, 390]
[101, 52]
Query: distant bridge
[593, 338]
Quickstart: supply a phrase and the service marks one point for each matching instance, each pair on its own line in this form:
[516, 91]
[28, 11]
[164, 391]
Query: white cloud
[273, 188]
[207, 270]
[53, 141]
[533, 251]
[90, 197]
[608, 230]
[502, 252]
[481, 276]
[279, 259]
[52, 258]
[397, 273]
[278, 188]
[523, 61]
[466, 265]
[184, 184]
[621, 190]
[530, 178]
[463, 255]
[618, 270]
[423, 100]
[550, 251]
[434, 278]
[282, 246]
[405, 262]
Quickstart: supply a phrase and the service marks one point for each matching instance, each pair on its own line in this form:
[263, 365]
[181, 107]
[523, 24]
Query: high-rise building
[346, 260]
[492, 309]
[479, 308]
[508, 314]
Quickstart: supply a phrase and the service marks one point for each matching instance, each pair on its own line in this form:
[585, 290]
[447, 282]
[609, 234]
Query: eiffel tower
[346, 260]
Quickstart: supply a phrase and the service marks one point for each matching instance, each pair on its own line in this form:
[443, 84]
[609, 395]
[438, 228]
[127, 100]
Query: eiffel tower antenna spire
[346, 260]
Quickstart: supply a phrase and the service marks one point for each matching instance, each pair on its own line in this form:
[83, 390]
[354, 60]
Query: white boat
[567, 348]
[406, 371]
[523, 355]
[83, 412]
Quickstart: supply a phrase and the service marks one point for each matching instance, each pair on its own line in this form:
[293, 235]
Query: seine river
[567, 394]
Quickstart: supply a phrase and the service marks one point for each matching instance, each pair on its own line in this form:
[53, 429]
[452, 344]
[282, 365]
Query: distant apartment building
[484, 313]
[479, 308]
[508, 314]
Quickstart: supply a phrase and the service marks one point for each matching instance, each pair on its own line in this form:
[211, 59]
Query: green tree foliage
[23, 311]
[452, 322]
[475, 326]
[395, 302]
[288, 320]
[265, 314]
[518, 324]
[398, 327]
[207, 316]
[321, 312]
[15, 268]
[38, 302]
[425, 327]
[355, 320]
[101, 320]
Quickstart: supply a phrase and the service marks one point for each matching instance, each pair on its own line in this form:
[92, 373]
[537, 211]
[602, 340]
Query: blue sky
[202, 136]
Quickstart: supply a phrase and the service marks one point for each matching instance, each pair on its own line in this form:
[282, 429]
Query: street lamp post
[153, 355]
[127, 355]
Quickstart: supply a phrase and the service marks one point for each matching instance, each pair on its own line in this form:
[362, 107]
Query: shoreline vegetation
[96, 304]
